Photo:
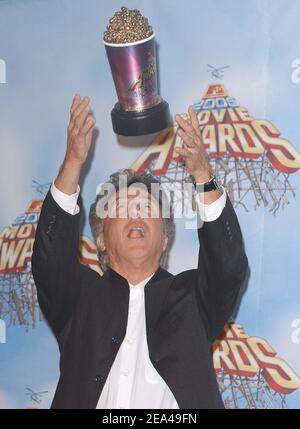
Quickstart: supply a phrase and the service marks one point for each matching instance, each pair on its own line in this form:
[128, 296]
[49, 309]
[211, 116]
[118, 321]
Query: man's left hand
[194, 154]
[193, 151]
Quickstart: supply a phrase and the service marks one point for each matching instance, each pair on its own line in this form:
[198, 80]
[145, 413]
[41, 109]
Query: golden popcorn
[127, 26]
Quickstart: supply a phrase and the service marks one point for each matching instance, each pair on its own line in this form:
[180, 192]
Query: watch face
[211, 185]
[216, 183]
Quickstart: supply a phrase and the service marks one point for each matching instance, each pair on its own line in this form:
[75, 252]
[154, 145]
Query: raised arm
[221, 272]
[222, 263]
[55, 265]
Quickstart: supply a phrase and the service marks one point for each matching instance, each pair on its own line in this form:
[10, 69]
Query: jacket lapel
[118, 291]
[155, 292]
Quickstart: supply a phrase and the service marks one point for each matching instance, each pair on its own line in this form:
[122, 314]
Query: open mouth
[136, 232]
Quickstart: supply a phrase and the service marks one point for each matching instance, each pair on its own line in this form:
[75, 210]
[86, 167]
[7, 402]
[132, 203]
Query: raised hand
[194, 155]
[79, 139]
[80, 130]
[193, 151]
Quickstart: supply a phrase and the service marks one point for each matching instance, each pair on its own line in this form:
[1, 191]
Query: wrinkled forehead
[136, 199]
[135, 192]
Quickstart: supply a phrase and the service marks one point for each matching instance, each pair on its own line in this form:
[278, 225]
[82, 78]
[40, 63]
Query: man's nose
[134, 210]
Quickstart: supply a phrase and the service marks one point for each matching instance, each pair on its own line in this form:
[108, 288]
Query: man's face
[131, 233]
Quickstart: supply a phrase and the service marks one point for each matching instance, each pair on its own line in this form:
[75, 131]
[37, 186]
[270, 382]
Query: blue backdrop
[246, 56]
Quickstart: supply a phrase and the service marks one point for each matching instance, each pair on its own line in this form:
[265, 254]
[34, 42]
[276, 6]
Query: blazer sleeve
[222, 269]
[55, 265]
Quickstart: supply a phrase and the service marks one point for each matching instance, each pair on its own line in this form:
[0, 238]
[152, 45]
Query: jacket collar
[116, 278]
[155, 291]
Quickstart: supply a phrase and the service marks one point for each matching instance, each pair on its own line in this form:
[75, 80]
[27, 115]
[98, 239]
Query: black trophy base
[148, 121]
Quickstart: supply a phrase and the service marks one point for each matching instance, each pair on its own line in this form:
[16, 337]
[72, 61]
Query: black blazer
[184, 312]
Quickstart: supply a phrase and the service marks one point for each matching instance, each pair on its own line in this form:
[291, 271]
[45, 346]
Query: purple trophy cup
[140, 110]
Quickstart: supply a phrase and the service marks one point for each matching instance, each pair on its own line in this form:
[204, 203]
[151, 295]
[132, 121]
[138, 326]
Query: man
[137, 337]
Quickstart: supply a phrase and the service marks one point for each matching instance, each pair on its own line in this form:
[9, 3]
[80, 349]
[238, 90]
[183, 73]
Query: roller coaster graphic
[249, 392]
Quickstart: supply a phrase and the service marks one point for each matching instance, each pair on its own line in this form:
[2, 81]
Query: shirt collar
[142, 283]
[115, 276]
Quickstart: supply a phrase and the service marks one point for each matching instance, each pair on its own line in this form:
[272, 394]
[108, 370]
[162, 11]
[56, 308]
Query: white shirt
[133, 382]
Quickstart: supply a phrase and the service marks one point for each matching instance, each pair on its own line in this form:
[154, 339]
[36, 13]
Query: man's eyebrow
[142, 197]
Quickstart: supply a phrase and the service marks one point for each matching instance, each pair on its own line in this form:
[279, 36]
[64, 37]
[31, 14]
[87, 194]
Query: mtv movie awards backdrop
[238, 64]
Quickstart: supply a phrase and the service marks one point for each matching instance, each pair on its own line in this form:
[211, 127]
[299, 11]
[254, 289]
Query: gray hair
[133, 177]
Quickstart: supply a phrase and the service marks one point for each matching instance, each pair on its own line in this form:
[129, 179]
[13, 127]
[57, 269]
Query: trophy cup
[130, 46]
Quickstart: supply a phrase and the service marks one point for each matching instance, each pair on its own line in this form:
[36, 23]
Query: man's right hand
[80, 131]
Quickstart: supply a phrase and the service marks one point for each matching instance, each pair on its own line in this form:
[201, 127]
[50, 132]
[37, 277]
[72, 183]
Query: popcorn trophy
[130, 47]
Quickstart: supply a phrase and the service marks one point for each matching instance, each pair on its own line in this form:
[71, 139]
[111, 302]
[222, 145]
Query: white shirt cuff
[67, 202]
[210, 212]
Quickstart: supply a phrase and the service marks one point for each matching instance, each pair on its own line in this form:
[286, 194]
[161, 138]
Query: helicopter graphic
[35, 396]
[218, 73]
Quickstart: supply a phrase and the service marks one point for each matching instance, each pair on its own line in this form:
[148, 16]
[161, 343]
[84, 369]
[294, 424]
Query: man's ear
[100, 242]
